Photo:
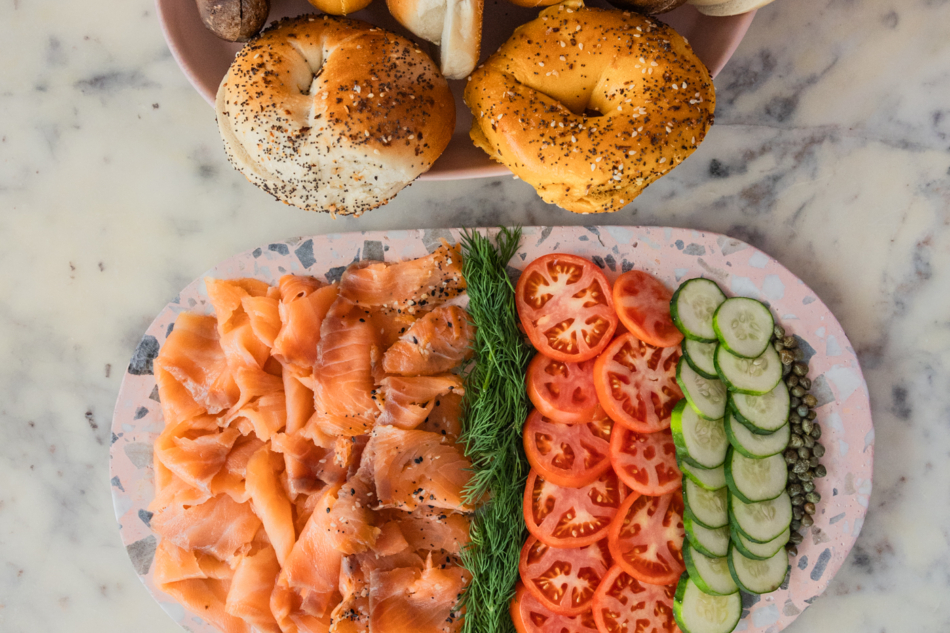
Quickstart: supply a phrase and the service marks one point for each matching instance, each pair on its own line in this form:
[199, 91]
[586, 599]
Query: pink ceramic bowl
[205, 58]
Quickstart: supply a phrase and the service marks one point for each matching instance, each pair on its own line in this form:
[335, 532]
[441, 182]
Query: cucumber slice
[710, 508]
[692, 308]
[700, 357]
[743, 326]
[758, 576]
[762, 414]
[760, 551]
[763, 521]
[706, 397]
[699, 441]
[710, 574]
[753, 480]
[752, 444]
[752, 376]
[714, 543]
[698, 612]
[708, 478]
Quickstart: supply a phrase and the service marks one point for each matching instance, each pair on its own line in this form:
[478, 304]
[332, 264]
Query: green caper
[804, 452]
[805, 476]
[809, 441]
[800, 369]
[787, 357]
[786, 370]
[808, 486]
[809, 508]
[790, 342]
[797, 429]
[794, 404]
[798, 392]
[796, 441]
[794, 418]
[792, 477]
[796, 490]
[777, 345]
[798, 513]
[813, 461]
[802, 410]
[794, 525]
[778, 331]
[807, 521]
[795, 538]
[818, 450]
[798, 500]
[792, 381]
[807, 426]
[810, 400]
[816, 432]
[820, 471]
[812, 414]
[798, 353]
[791, 456]
[813, 497]
[805, 383]
[791, 549]
[800, 467]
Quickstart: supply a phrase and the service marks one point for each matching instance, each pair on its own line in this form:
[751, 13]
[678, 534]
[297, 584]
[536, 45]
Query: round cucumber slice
[710, 574]
[752, 444]
[759, 551]
[709, 507]
[763, 521]
[706, 397]
[752, 376]
[699, 612]
[713, 543]
[762, 414]
[700, 357]
[708, 478]
[758, 576]
[752, 479]
[698, 441]
[692, 308]
[743, 326]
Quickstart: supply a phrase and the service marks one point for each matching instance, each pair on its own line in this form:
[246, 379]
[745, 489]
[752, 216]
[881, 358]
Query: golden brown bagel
[332, 114]
[532, 101]
[340, 7]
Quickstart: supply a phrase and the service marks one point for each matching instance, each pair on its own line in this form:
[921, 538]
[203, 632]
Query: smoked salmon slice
[249, 594]
[302, 310]
[412, 285]
[264, 317]
[313, 566]
[409, 400]
[299, 397]
[226, 296]
[445, 418]
[435, 344]
[309, 467]
[219, 526]
[230, 479]
[352, 526]
[207, 597]
[431, 529]
[269, 501]
[177, 403]
[194, 454]
[416, 601]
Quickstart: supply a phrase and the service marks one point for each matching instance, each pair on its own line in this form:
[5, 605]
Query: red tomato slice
[646, 462]
[646, 538]
[623, 605]
[636, 383]
[571, 517]
[564, 580]
[566, 307]
[562, 391]
[571, 455]
[530, 616]
[643, 305]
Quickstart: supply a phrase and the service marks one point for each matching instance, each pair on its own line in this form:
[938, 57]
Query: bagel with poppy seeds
[590, 106]
[332, 114]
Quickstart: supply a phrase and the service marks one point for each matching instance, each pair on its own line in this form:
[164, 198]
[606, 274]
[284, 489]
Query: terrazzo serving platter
[205, 58]
[672, 255]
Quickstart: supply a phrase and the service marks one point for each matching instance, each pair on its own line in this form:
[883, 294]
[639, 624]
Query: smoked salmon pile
[308, 477]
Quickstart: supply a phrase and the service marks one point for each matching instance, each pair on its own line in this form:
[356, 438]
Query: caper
[820, 471]
[796, 441]
[798, 353]
[804, 452]
[798, 500]
[792, 381]
[792, 550]
[800, 369]
[812, 414]
[816, 432]
[812, 497]
[805, 383]
[786, 369]
[777, 345]
[796, 490]
[794, 525]
[810, 400]
[791, 456]
[778, 332]
[792, 477]
[787, 357]
[797, 391]
[818, 450]
[795, 402]
[807, 521]
[797, 429]
[802, 410]
[806, 476]
[794, 418]
[809, 441]
[808, 486]
[795, 538]
[807, 426]
[798, 513]
[813, 461]
[790, 342]
[800, 467]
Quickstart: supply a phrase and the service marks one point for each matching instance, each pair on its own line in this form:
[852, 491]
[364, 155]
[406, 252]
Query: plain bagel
[591, 106]
[331, 114]
[455, 26]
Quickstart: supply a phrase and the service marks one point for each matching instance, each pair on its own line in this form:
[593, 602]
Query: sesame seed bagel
[331, 114]
[591, 106]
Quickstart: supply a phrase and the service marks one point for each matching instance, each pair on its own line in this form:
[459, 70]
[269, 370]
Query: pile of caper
[803, 450]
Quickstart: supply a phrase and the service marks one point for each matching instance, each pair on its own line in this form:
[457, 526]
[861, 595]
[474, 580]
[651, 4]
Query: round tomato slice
[636, 383]
[562, 391]
[530, 616]
[571, 517]
[623, 605]
[646, 538]
[643, 305]
[566, 307]
[570, 455]
[646, 462]
[564, 580]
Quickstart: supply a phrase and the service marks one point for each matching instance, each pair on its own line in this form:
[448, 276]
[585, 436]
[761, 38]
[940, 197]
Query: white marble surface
[831, 152]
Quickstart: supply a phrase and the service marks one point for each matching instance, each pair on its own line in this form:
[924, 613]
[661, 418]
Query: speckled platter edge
[670, 254]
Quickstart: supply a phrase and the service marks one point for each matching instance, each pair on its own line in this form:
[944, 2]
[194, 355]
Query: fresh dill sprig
[495, 410]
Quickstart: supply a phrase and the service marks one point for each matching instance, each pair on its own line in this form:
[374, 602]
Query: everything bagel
[331, 114]
[591, 106]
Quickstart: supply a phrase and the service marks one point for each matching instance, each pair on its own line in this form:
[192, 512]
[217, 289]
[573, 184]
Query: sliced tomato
[624, 605]
[646, 538]
[643, 305]
[566, 307]
[636, 383]
[571, 517]
[530, 616]
[562, 391]
[564, 580]
[570, 455]
[646, 462]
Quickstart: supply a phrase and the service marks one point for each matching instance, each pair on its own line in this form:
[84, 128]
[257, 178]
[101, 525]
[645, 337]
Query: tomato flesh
[636, 383]
[566, 307]
[562, 391]
[564, 580]
[571, 517]
[646, 538]
[570, 455]
[646, 462]
[643, 305]
[531, 616]
[624, 605]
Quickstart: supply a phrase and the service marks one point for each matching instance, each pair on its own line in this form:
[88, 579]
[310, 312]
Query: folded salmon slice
[177, 402]
[309, 467]
[193, 454]
[230, 480]
[314, 564]
[351, 519]
[251, 588]
[416, 601]
[415, 468]
[432, 529]
[409, 400]
[435, 344]
[264, 317]
[218, 526]
[302, 310]
[445, 418]
[226, 296]
[193, 356]
[207, 597]
[269, 501]
[412, 285]
[299, 396]
[288, 609]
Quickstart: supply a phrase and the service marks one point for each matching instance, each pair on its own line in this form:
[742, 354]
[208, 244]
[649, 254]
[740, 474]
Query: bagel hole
[306, 89]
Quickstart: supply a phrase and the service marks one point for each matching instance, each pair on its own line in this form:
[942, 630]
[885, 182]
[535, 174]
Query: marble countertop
[831, 152]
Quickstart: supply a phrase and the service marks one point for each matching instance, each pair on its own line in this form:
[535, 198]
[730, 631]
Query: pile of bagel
[587, 105]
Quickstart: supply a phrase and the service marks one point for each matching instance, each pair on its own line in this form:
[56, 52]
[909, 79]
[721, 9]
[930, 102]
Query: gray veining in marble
[831, 152]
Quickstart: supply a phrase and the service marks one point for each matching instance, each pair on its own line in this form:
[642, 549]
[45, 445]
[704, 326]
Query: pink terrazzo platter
[672, 255]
